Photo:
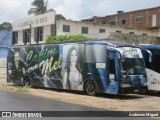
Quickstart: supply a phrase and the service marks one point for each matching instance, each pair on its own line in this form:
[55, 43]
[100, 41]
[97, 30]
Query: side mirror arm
[150, 55]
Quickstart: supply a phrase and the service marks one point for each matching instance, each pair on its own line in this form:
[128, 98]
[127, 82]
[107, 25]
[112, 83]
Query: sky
[11, 10]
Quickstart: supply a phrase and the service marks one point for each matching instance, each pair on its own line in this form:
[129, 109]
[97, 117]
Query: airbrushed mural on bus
[90, 66]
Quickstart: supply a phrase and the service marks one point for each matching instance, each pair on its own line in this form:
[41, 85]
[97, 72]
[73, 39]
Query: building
[68, 27]
[34, 29]
[139, 19]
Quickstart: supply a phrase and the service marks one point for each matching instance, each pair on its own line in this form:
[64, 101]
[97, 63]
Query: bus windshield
[133, 63]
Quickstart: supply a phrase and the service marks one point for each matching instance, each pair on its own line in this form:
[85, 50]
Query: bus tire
[90, 88]
[27, 82]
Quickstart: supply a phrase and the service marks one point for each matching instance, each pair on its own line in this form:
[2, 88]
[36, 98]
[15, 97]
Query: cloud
[73, 9]
[14, 9]
[69, 8]
[79, 9]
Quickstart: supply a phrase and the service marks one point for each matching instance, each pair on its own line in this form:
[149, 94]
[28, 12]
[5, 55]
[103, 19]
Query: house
[139, 19]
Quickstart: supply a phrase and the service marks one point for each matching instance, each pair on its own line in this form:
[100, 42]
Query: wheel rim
[27, 82]
[90, 87]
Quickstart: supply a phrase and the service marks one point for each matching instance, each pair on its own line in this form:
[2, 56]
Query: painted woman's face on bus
[73, 57]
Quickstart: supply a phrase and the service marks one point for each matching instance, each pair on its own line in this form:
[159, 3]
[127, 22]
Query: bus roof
[150, 46]
[109, 42]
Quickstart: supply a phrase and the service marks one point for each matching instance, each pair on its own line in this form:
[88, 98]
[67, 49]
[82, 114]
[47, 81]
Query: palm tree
[40, 7]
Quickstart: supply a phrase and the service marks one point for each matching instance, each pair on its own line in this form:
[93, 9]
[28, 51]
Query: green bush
[59, 38]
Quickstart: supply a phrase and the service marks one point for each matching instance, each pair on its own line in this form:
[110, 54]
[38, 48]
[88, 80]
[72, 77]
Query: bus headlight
[112, 77]
[125, 85]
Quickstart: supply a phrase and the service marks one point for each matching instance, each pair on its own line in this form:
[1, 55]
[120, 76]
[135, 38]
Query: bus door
[113, 69]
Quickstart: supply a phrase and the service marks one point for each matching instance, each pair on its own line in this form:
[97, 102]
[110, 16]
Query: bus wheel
[90, 88]
[27, 82]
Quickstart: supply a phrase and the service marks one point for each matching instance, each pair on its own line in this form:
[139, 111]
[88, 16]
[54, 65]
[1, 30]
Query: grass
[22, 90]
[14, 88]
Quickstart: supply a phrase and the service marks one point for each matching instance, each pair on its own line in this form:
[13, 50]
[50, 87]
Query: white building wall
[43, 20]
[20, 37]
[46, 31]
[76, 28]
[32, 36]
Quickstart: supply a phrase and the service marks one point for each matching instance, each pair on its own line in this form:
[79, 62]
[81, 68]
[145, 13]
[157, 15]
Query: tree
[5, 26]
[40, 7]
[59, 38]
[60, 17]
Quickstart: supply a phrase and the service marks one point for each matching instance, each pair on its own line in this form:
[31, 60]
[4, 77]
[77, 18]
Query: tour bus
[92, 66]
[153, 67]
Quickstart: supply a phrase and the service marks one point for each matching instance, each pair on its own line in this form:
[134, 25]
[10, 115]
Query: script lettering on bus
[31, 57]
[44, 60]
[130, 51]
[49, 65]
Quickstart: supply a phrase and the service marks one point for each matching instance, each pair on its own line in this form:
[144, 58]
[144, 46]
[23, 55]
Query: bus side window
[155, 63]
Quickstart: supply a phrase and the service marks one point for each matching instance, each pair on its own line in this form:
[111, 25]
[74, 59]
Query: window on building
[117, 31]
[84, 30]
[102, 30]
[38, 34]
[139, 19]
[123, 22]
[113, 23]
[102, 22]
[131, 32]
[15, 37]
[66, 28]
[144, 34]
[26, 36]
[53, 30]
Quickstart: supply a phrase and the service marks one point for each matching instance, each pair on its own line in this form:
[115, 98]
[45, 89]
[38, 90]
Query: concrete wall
[3, 62]
[5, 42]
[135, 39]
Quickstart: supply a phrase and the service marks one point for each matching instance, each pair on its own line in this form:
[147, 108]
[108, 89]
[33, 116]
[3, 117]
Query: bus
[153, 67]
[92, 66]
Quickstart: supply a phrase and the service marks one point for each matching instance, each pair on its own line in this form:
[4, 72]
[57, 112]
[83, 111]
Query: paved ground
[131, 102]
[3, 75]
[10, 101]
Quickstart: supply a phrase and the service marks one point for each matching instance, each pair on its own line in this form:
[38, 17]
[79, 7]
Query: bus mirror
[122, 57]
[149, 54]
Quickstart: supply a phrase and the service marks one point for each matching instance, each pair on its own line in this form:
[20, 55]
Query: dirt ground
[3, 75]
[129, 102]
